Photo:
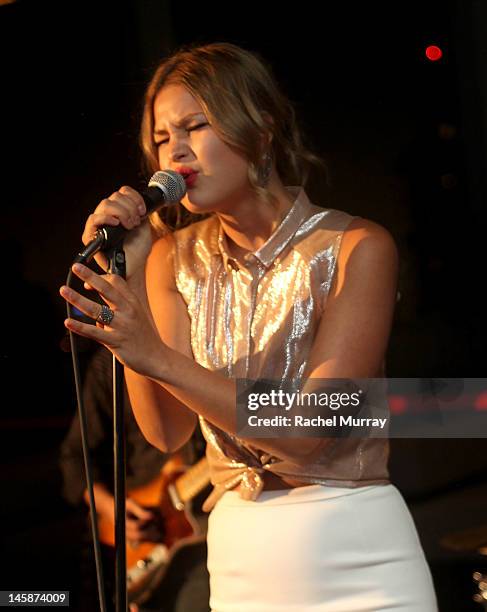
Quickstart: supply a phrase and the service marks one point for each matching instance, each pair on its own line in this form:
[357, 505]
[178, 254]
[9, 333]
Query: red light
[481, 401]
[398, 404]
[433, 53]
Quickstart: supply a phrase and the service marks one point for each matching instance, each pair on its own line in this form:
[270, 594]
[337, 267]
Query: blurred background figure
[154, 528]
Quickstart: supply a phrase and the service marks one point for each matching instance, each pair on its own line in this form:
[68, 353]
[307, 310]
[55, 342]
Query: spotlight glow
[433, 53]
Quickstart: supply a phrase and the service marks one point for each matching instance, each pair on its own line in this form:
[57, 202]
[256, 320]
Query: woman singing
[247, 279]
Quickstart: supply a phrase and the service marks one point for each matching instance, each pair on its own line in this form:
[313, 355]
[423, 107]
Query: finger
[108, 277]
[123, 203]
[112, 212]
[123, 208]
[110, 286]
[136, 197]
[90, 331]
[88, 307]
[95, 221]
[106, 218]
[138, 511]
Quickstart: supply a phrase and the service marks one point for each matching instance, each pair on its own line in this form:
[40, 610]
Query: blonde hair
[243, 104]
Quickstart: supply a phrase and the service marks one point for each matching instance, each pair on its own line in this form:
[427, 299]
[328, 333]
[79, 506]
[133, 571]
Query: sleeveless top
[258, 321]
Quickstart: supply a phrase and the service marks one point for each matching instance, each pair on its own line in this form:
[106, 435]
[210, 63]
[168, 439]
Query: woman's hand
[131, 335]
[127, 207]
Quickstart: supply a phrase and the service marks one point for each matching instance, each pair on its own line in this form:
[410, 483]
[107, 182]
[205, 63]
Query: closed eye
[191, 129]
[196, 127]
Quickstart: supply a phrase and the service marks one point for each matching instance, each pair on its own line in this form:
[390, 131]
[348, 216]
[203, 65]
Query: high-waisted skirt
[317, 549]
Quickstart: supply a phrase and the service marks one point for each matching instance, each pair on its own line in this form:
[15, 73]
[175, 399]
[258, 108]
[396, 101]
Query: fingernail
[77, 267]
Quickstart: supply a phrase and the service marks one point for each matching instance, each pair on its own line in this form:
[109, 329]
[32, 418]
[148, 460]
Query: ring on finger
[106, 315]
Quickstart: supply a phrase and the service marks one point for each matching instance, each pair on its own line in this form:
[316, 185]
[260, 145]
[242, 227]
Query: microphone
[165, 188]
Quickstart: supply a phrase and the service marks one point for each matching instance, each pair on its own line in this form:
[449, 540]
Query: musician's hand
[131, 336]
[124, 207]
[142, 525]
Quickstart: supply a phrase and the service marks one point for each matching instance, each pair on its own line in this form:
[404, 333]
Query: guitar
[169, 494]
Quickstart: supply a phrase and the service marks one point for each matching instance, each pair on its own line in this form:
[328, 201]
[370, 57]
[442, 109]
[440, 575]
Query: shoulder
[367, 254]
[368, 238]
[201, 230]
[180, 251]
[159, 264]
[177, 239]
[341, 234]
[194, 246]
[320, 233]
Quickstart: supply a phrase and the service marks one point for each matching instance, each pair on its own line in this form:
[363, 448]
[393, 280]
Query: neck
[249, 225]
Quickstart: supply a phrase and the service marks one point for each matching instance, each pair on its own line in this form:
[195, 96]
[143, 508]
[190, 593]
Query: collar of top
[278, 241]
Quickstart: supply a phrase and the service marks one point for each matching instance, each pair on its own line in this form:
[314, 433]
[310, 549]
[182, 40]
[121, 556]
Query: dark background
[405, 143]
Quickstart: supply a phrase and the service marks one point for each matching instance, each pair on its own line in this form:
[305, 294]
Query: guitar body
[168, 496]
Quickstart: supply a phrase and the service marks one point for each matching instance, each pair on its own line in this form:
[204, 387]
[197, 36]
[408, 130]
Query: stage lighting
[433, 53]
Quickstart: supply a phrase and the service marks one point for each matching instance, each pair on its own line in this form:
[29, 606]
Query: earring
[266, 169]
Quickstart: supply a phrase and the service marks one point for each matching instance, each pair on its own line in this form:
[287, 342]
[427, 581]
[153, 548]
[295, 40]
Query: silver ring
[106, 315]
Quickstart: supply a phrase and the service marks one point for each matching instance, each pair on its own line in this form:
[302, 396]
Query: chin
[196, 205]
[201, 201]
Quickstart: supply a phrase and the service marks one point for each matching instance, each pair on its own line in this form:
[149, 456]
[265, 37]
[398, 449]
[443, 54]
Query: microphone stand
[117, 266]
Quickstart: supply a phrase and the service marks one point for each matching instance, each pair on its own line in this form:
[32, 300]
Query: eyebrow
[179, 123]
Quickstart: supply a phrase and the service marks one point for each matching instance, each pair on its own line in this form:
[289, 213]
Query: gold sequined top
[258, 321]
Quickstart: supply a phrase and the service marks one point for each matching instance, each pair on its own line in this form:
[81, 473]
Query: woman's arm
[166, 422]
[351, 340]
[354, 330]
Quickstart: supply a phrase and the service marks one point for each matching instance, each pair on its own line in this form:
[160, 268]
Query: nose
[177, 154]
[179, 150]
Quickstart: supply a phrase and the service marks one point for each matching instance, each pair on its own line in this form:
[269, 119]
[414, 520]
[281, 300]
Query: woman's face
[185, 140]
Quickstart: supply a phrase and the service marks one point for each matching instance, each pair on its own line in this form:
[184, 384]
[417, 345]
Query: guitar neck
[193, 481]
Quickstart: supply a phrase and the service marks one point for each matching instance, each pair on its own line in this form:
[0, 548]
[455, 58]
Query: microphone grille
[171, 183]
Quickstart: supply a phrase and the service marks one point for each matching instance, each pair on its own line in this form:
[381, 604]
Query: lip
[188, 174]
[185, 170]
[190, 179]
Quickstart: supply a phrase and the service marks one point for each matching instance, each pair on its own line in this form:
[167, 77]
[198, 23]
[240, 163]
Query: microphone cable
[86, 456]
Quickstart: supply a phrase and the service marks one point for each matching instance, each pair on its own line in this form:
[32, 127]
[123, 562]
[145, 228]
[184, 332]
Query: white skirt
[317, 549]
